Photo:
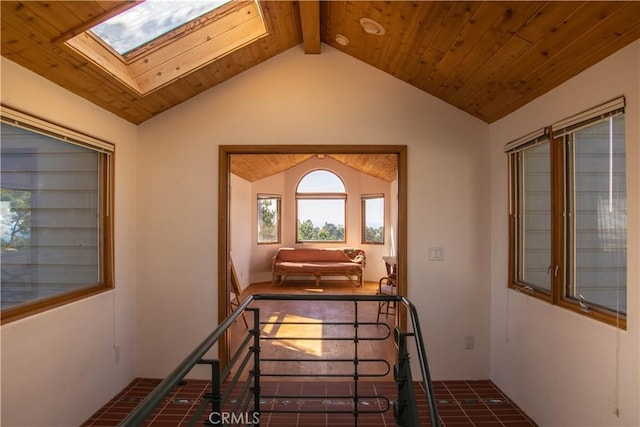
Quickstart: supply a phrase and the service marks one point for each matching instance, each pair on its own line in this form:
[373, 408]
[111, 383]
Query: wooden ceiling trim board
[598, 56]
[566, 66]
[310, 21]
[379, 45]
[457, 18]
[579, 67]
[398, 20]
[39, 31]
[474, 89]
[48, 28]
[163, 71]
[89, 15]
[474, 32]
[405, 18]
[281, 18]
[332, 22]
[425, 21]
[104, 58]
[546, 19]
[370, 43]
[485, 55]
[353, 11]
[599, 38]
[538, 57]
[553, 50]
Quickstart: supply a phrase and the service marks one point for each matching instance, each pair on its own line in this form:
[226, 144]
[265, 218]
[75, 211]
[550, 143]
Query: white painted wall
[242, 229]
[562, 368]
[59, 367]
[313, 99]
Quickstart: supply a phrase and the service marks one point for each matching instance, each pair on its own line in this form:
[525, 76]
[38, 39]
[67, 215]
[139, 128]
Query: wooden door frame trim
[224, 173]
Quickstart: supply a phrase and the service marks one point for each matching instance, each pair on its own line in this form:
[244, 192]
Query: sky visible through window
[321, 211]
[149, 20]
[331, 211]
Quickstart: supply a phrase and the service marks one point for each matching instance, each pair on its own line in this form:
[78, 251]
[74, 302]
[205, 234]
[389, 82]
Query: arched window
[321, 207]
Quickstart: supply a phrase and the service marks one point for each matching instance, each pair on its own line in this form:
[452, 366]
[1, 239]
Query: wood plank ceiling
[487, 58]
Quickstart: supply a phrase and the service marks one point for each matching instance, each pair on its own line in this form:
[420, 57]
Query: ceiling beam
[310, 20]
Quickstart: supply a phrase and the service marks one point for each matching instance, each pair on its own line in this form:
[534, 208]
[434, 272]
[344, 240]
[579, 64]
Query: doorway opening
[226, 156]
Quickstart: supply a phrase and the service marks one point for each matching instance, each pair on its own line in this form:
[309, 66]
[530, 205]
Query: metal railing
[237, 388]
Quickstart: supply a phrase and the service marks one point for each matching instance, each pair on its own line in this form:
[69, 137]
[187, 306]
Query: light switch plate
[436, 254]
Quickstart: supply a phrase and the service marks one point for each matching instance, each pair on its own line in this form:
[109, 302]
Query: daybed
[318, 262]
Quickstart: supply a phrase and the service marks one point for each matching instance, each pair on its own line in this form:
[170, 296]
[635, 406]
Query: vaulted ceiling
[486, 58]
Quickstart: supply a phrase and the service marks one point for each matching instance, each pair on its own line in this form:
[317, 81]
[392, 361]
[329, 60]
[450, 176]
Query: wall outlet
[469, 343]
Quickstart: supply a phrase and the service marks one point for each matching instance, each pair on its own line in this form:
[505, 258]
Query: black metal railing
[236, 391]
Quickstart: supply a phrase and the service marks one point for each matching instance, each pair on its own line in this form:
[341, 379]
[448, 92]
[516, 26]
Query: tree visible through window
[56, 216]
[268, 218]
[321, 207]
[373, 219]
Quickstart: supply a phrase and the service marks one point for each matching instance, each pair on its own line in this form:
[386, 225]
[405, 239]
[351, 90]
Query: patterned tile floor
[460, 403]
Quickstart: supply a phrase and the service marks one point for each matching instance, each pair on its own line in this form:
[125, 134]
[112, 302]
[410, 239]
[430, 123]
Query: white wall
[60, 366]
[241, 224]
[314, 99]
[563, 368]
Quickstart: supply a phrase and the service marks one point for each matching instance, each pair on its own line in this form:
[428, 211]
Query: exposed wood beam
[310, 20]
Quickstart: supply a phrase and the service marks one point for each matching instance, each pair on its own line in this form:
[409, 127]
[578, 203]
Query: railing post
[214, 395]
[256, 364]
[406, 408]
[356, 399]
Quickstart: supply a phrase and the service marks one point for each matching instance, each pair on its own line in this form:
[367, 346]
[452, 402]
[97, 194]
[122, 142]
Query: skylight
[154, 43]
[149, 20]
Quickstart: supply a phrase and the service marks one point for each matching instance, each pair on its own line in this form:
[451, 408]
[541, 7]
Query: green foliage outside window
[328, 232]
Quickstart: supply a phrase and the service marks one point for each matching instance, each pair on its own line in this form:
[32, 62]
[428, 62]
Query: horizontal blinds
[33, 124]
[588, 118]
[534, 138]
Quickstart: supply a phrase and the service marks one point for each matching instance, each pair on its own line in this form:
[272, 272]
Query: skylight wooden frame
[178, 52]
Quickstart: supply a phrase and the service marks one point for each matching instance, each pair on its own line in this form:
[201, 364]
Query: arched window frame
[325, 197]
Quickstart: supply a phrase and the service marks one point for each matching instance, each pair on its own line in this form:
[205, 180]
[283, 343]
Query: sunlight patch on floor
[297, 333]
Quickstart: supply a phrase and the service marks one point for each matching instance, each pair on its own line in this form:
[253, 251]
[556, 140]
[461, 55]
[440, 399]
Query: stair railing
[237, 388]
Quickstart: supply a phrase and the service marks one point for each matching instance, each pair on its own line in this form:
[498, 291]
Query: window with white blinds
[56, 222]
[597, 221]
[567, 205]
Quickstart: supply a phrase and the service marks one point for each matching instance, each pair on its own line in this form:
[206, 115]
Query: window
[373, 219]
[268, 218]
[150, 44]
[149, 20]
[321, 207]
[56, 215]
[568, 201]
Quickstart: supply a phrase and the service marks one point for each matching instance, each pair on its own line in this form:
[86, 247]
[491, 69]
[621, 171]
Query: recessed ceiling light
[371, 27]
[342, 40]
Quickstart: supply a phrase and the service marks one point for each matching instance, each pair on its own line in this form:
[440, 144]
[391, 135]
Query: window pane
[321, 181]
[50, 217]
[149, 20]
[268, 219]
[600, 226]
[535, 217]
[373, 219]
[321, 219]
